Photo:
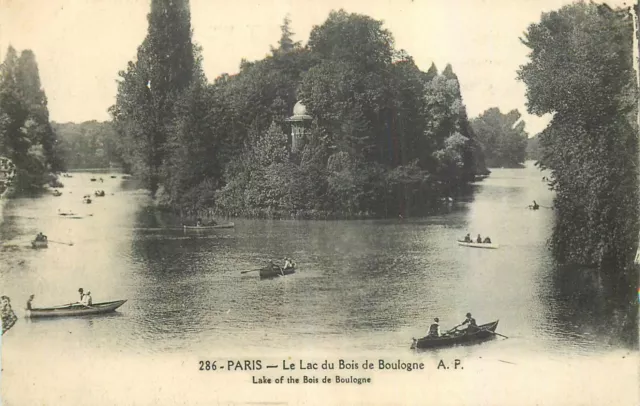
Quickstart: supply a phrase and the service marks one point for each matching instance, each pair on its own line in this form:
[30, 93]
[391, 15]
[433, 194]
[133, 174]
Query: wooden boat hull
[267, 273]
[74, 310]
[485, 332]
[229, 225]
[479, 245]
[39, 244]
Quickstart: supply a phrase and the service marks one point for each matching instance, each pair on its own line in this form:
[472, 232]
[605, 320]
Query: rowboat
[479, 245]
[266, 273]
[485, 332]
[57, 193]
[229, 225]
[74, 309]
[39, 244]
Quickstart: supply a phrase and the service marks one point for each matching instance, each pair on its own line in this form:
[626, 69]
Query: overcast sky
[80, 45]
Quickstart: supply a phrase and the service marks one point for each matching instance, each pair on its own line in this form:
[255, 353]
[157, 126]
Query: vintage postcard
[297, 202]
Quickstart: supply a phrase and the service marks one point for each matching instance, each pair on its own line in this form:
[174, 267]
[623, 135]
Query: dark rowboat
[266, 273]
[74, 309]
[459, 337]
[229, 225]
[39, 244]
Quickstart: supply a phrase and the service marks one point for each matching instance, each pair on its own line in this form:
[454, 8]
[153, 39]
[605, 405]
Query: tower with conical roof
[300, 124]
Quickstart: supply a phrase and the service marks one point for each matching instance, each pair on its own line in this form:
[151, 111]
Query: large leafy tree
[349, 90]
[90, 144]
[34, 96]
[26, 136]
[145, 107]
[581, 71]
[502, 137]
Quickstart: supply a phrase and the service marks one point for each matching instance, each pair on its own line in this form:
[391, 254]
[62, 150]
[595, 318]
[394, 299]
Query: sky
[80, 45]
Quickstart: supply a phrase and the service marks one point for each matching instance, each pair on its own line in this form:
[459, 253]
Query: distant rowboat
[39, 244]
[484, 332]
[229, 225]
[274, 273]
[74, 309]
[478, 245]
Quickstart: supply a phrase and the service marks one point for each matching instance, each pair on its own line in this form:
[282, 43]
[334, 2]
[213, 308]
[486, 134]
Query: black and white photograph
[341, 202]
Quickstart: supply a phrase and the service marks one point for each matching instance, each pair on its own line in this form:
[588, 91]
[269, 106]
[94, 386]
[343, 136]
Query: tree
[581, 71]
[29, 80]
[502, 136]
[26, 136]
[90, 144]
[533, 148]
[286, 43]
[148, 89]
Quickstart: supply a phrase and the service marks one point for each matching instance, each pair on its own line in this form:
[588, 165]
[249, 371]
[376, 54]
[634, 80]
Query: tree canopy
[26, 135]
[581, 71]
[503, 138]
[386, 138]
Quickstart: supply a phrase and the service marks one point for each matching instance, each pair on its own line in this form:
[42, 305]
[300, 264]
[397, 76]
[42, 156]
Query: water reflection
[585, 304]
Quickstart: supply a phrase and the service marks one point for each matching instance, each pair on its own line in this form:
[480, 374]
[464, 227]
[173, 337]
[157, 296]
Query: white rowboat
[479, 245]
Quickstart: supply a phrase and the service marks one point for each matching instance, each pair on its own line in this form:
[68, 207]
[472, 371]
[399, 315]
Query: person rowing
[535, 206]
[487, 240]
[288, 263]
[467, 238]
[276, 267]
[479, 239]
[472, 325]
[86, 300]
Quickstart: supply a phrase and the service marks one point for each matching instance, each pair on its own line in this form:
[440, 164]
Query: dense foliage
[533, 148]
[386, 138]
[26, 136]
[144, 114]
[503, 138]
[87, 145]
[581, 70]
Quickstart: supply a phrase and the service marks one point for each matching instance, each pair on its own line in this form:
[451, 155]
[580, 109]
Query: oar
[253, 270]
[64, 243]
[453, 328]
[61, 306]
[493, 332]
[489, 331]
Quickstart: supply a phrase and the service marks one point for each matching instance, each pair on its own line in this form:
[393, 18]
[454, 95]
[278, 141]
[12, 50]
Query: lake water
[363, 289]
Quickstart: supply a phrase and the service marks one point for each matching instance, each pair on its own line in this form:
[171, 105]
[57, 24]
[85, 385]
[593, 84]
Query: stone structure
[300, 124]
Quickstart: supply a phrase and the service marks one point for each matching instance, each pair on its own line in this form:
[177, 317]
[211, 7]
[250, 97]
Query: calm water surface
[363, 288]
